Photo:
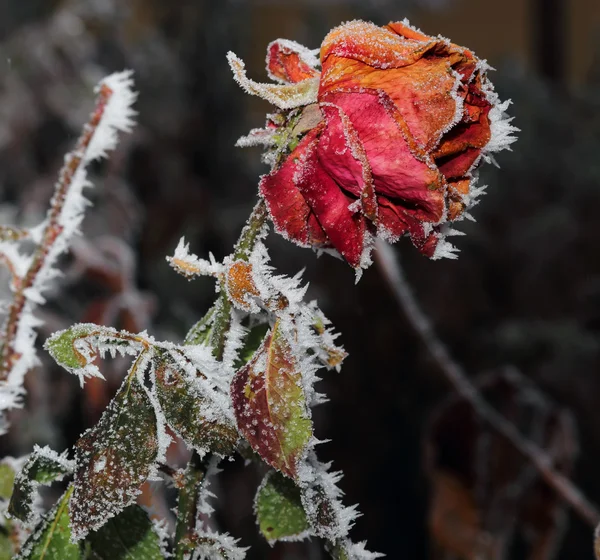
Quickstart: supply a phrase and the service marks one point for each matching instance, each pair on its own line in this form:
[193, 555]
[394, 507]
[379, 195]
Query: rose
[397, 124]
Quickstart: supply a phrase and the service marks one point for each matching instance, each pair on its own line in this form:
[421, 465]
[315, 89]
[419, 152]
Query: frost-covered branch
[32, 274]
[392, 272]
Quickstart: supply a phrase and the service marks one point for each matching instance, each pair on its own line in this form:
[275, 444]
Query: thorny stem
[187, 507]
[52, 231]
[454, 373]
[220, 313]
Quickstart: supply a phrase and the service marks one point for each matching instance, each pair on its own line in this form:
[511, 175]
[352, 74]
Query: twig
[187, 507]
[392, 271]
[50, 235]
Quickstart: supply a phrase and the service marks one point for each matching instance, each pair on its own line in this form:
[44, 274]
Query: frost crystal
[283, 96]
[54, 235]
[190, 265]
[217, 546]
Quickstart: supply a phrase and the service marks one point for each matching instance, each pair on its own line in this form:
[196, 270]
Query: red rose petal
[291, 215]
[286, 64]
[346, 230]
[376, 46]
[343, 156]
[396, 172]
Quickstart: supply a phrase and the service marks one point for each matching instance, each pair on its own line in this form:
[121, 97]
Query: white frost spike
[118, 114]
[216, 545]
[190, 265]
[444, 250]
[20, 263]
[502, 132]
[283, 96]
[62, 459]
[206, 494]
[258, 137]
[234, 342]
[357, 551]
[315, 479]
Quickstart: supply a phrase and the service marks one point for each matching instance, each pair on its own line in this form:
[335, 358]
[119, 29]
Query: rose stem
[185, 532]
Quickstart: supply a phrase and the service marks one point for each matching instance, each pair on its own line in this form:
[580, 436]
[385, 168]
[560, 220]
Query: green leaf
[270, 406]
[61, 345]
[7, 479]
[76, 348]
[6, 545]
[129, 536]
[279, 509]
[252, 343]
[44, 466]
[115, 457]
[201, 332]
[52, 539]
[185, 409]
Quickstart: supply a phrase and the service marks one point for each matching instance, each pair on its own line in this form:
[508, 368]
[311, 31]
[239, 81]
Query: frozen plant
[378, 134]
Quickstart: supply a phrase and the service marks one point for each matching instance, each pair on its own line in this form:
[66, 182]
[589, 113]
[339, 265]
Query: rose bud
[384, 141]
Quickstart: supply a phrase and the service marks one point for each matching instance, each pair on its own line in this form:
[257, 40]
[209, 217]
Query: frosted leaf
[270, 406]
[51, 540]
[328, 517]
[192, 415]
[118, 114]
[131, 535]
[217, 546]
[43, 467]
[279, 511]
[77, 348]
[356, 551]
[258, 137]
[189, 265]
[283, 96]
[201, 332]
[115, 457]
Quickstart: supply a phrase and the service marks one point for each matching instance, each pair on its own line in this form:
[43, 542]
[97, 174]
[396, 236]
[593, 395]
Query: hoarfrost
[283, 96]
[66, 213]
[203, 506]
[118, 114]
[217, 546]
[190, 265]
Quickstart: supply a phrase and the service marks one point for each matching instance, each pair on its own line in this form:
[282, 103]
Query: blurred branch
[393, 273]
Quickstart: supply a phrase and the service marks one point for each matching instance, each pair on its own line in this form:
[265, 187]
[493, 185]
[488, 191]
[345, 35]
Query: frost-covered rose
[385, 138]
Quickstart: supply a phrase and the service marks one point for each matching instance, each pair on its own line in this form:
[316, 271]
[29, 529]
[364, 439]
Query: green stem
[187, 507]
[214, 326]
[212, 329]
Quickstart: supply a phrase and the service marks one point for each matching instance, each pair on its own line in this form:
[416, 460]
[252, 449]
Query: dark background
[525, 290]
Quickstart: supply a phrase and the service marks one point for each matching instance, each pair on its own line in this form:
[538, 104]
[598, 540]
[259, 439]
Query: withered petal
[292, 217]
[396, 172]
[345, 229]
[285, 63]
